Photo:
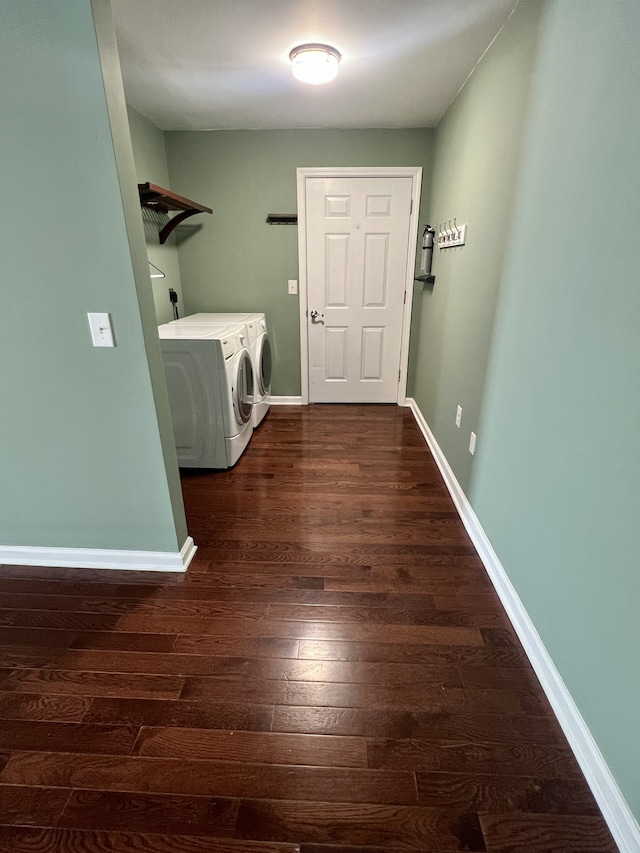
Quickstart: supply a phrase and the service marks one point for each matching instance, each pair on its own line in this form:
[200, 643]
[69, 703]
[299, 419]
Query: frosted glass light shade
[314, 63]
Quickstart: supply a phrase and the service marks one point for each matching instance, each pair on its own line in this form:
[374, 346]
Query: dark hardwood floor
[335, 674]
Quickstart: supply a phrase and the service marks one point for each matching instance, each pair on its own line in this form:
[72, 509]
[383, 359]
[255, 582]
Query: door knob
[314, 317]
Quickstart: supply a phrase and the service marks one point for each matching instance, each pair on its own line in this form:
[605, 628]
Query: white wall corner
[615, 810]
[97, 558]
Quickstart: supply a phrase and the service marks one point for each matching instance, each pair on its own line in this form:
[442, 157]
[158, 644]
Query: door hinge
[399, 374]
[404, 298]
[411, 209]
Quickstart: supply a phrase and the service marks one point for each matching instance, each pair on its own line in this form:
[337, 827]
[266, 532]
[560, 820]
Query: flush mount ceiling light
[314, 63]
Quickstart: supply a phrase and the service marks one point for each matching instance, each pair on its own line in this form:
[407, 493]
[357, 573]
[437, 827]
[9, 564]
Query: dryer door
[264, 361]
[243, 389]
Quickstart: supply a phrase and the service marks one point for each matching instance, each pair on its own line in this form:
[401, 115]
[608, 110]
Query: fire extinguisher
[427, 250]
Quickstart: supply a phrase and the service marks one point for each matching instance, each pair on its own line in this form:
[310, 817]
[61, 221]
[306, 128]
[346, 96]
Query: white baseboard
[622, 823]
[98, 558]
[285, 401]
[187, 553]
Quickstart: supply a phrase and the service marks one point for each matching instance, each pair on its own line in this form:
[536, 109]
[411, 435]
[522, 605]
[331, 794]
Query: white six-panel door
[357, 243]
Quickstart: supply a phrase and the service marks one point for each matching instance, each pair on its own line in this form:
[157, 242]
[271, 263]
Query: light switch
[101, 330]
[293, 286]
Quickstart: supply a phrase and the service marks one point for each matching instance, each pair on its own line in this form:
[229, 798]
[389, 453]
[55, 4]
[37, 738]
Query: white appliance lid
[197, 331]
[222, 317]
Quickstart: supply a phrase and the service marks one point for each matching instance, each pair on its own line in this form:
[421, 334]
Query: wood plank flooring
[335, 674]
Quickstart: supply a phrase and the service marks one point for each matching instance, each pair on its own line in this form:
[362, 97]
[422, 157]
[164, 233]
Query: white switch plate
[101, 330]
[472, 443]
[458, 416]
[293, 286]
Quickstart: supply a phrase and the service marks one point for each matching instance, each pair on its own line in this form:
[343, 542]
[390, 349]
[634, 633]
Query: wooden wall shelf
[162, 200]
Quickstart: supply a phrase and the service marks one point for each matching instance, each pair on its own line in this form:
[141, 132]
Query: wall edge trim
[615, 810]
[99, 558]
[285, 401]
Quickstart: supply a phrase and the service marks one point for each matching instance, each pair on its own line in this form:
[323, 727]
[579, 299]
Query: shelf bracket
[166, 230]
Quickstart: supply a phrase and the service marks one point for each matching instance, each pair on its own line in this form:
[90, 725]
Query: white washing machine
[209, 379]
[260, 349]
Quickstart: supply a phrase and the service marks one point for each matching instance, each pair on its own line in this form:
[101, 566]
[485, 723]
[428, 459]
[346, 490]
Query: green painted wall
[81, 453]
[150, 158]
[233, 260]
[557, 477]
[477, 147]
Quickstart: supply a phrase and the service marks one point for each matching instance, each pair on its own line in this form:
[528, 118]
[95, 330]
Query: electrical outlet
[458, 416]
[292, 286]
[472, 443]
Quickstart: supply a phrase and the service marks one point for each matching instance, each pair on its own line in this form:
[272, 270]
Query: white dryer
[259, 346]
[209, 379]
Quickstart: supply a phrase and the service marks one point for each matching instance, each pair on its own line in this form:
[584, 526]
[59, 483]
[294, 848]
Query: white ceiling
[223, 64]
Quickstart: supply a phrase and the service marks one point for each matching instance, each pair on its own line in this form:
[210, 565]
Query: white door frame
[413, 172]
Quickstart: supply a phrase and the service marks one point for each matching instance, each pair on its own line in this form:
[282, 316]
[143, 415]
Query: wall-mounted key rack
[450, 234]
[282, 219]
